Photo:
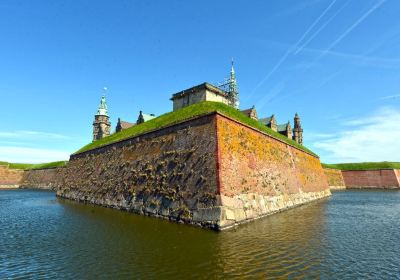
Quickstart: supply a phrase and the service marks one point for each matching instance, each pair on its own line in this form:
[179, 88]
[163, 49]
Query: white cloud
[374, 138]
[25, 146]
[390, 97]
[31, 155]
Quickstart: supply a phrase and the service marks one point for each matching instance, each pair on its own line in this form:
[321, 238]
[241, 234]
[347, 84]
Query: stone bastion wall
[168, 173]
[38, 178]
[209, 171]
[335, 179]
[381, 178]
[260, 175]
[10, 178]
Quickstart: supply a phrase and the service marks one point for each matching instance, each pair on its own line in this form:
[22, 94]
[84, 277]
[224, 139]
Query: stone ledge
[337, 188]
[258, 206]
[6, 187]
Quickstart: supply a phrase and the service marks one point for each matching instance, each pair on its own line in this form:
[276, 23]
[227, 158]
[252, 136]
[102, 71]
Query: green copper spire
[233, 88]
[102, 111]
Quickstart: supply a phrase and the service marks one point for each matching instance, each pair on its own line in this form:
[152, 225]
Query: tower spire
[102, 110]
[101, 124]
[233, 92]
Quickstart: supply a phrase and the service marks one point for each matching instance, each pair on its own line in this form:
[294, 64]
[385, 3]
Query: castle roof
[191, 90]
[248, 111]
[268, 120]
[283, 127]
[251, 112]
[125, 125]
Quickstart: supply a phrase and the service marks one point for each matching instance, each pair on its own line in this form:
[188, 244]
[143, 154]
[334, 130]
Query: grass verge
[363, 165]
[185, 114]
[30, 166]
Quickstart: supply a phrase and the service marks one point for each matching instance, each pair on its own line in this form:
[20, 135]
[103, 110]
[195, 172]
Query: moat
[351, 235]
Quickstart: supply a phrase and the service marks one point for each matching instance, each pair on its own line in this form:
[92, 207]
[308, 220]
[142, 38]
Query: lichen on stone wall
[168, 173]
[10, 177]
[260, 175]
[335, 178]
[210, 171]
[40, 178]
[252, 162]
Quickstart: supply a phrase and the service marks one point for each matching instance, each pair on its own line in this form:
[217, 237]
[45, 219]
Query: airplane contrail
[321, 28]
[354, 25]
[283, 58]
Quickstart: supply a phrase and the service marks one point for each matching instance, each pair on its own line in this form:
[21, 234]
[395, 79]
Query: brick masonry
[335, 179]
[260, 175]
[209, 171]
[38, 179]
[383, 178]
[10, 178]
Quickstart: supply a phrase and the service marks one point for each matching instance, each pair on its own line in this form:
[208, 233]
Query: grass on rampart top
[30, 166]
[185, 114]
[363, 165]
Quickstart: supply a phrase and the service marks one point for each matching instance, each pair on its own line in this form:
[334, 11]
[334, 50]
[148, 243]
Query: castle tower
[233, 91]
[297, 130]
[101, 124]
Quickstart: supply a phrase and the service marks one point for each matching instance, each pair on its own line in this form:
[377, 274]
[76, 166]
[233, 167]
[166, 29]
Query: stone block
[207, 214]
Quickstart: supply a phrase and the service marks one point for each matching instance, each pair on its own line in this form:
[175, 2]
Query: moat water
[352, 235]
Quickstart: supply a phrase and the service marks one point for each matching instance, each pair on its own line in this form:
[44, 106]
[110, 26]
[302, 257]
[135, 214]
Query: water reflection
[351, 235]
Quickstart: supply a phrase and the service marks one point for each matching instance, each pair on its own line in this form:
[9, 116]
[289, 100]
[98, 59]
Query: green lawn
[30, 166]
[184, 114]
[363, 165]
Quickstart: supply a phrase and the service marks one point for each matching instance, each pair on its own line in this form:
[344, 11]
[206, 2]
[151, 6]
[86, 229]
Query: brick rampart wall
[335, 178]
[209, 171]
[10, 177]
[383, 178]
[260, 175]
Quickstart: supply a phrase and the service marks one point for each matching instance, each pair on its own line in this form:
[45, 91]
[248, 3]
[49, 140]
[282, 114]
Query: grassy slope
[363, 165]
[29, 166]
[184, 114]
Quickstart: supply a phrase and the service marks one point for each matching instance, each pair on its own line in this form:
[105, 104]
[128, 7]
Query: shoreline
[9, 187]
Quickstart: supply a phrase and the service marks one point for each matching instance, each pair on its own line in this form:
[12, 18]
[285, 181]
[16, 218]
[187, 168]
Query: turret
[297, 130]
[101, 124]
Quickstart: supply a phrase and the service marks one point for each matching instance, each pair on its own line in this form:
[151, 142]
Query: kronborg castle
[193, 95]
[205, 163]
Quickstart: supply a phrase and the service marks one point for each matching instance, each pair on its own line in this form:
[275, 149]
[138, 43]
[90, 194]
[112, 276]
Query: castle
[205, 163]
[225, 92]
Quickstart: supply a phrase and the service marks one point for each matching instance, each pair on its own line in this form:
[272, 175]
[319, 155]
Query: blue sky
[335, 62]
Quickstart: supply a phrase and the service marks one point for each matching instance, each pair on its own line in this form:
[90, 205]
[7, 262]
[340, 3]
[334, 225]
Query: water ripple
[353, 235]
